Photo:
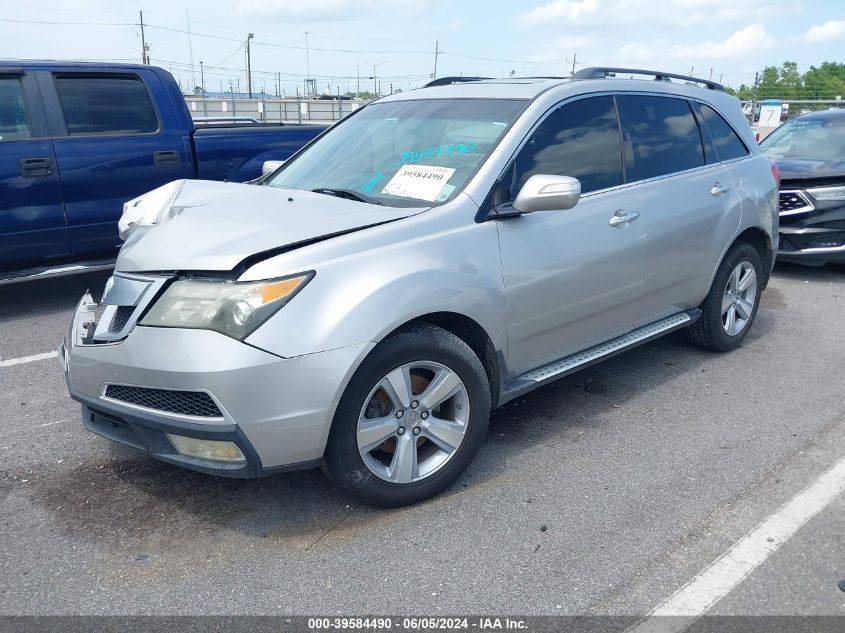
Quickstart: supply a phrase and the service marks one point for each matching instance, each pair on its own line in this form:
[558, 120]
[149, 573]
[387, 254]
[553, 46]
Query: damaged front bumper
[812, 230]
[266, 413]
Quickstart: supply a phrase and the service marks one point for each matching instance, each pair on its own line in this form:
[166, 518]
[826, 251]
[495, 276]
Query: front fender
[368, 293]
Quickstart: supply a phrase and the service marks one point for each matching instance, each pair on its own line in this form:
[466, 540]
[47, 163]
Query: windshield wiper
[346, 193]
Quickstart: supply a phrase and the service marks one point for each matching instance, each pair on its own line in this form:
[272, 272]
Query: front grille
[195, 403]
[121, 318]
[792, 202]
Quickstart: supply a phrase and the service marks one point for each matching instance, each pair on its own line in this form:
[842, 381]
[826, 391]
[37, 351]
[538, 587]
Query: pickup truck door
[573, 278]
[32, 218]
[116, 135]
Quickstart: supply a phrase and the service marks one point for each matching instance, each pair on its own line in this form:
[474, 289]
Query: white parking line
[27, 359]
[717, 580]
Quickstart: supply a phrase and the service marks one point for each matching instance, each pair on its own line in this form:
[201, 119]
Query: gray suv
[432, 256]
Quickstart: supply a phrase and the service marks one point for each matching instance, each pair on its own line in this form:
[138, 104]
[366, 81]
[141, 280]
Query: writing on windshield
[372, 150]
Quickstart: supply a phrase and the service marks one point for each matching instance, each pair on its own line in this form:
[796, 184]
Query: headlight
[827, 193]
[154, 207]
[232, 308]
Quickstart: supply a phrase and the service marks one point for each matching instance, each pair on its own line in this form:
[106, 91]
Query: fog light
[207, 449]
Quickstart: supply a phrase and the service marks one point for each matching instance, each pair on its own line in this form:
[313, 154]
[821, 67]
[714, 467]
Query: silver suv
[433, 256]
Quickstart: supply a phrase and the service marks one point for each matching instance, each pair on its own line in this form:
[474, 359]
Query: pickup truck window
[14, 123]
[403, 153]
[105, 105]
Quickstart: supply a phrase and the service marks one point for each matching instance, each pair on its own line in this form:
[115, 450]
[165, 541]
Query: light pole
[202, 86]
[307, 57]
[248, 66]
[375, 79]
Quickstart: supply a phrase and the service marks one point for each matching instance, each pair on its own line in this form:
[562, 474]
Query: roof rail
[601, 72]
[447, 81]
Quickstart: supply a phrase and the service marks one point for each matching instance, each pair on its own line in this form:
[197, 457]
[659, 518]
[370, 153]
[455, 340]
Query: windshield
[403, 153]
[810, 139]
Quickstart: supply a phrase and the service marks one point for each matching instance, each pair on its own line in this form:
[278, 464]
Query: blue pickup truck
[77, 140]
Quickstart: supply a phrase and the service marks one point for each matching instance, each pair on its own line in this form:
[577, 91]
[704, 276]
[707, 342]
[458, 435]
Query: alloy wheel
[413, 422]
[739, 298]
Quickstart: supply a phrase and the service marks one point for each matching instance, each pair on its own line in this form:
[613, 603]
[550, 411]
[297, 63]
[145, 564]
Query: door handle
[621, 217]
[165, 158]
[718, 189]
[36, 167]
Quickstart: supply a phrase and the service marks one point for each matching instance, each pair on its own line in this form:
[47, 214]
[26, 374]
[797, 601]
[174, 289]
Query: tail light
[776, 173]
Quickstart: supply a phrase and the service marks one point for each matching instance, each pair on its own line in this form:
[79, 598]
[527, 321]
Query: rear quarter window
[105, 104]
[725, 141]
[661, 136]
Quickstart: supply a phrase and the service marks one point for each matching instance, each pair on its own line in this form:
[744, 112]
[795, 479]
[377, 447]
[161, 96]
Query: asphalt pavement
[603, 493]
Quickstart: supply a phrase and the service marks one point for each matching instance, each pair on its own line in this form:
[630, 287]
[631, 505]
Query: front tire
[411, 419]
[731, 305]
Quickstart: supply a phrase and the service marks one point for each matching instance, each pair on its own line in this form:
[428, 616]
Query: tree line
[785, 82]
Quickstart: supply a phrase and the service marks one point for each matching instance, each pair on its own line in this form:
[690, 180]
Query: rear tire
[729, 309]
[419, 392]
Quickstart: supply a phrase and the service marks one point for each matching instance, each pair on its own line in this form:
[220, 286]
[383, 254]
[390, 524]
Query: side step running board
[592, 355]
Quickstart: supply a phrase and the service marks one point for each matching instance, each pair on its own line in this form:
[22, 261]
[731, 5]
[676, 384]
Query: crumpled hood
[221, 224]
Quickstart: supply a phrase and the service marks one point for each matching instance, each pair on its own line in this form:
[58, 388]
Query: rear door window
[580, 139]
[661, 136]
[726, 141]
[14, 122]
[106, 104]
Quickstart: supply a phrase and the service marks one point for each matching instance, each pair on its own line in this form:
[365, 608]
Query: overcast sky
[476, 37]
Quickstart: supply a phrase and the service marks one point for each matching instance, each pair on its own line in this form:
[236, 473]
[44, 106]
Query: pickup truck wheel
[730, 307]
[411, 419]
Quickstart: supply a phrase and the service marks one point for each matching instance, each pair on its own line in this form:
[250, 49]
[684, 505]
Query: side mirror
[542, 192]
[270, 166]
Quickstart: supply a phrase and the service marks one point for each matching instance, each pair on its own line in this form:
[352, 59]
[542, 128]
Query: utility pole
[574, 58]
[202, 86]
[358, 85]
[307, 57]
[144, 58]
[711, 74]
[191, 51]
[248, 66]
[436, 53]
[375, 81]
[754, 95]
